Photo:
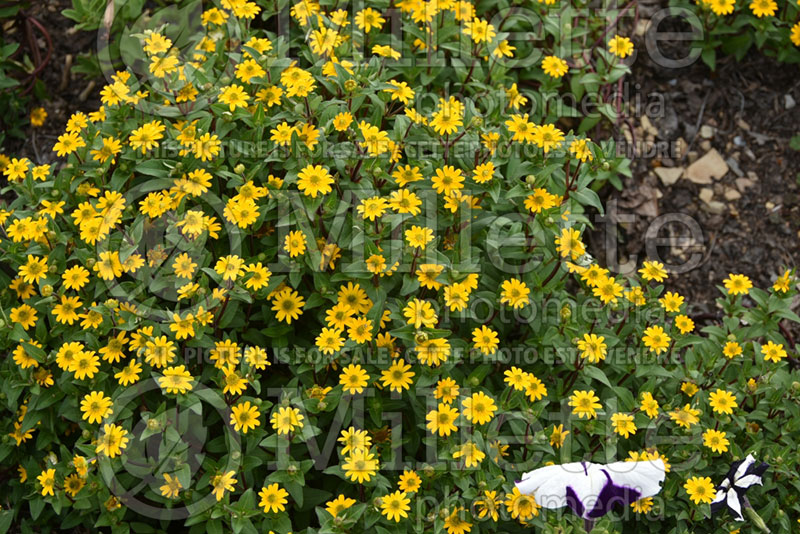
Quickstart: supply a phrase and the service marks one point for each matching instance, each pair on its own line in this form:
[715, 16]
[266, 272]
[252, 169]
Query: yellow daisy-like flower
[554, 66]
[514, 293]
[244, 416]
[353, 379]
[621, 47]
[763, 8]
[584, 404]
[273, 498]
[700, 490]
[738, 284]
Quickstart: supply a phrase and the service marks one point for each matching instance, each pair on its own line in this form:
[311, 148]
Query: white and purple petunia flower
[591, 490]
[730, 493]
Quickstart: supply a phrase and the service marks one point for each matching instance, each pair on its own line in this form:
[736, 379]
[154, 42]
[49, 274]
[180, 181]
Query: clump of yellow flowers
[320, 281]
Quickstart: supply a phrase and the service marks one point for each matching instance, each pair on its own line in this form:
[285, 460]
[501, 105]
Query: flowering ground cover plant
[733, 28]
[325, 281]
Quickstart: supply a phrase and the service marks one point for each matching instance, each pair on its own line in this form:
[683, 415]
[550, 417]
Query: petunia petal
[747, 481]
[591, 490]
[734, 505]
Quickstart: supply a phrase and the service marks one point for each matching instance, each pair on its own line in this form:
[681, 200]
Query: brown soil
[76, 95]
[752, 122]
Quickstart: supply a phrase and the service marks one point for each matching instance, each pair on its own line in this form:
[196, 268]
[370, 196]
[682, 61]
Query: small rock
[705, 145]
[648, 126]
[706, 131]
[679, 147]
[732, 194]
[744, 183]
[692, 156]
[706, 194]
[788, 101]
[752, 175]
[769, 205]
[742, 124]
[709, 166]
[628, 135]
[669, 176]
[734, 165]
[738, 141]
[716, 207]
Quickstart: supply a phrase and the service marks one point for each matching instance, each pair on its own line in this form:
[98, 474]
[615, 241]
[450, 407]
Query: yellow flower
[234, 96]
[554, 67]
[113, 441]
[722, 402]
[642, 506]
[221, 483]
[73, 484]
[485, 339]
[684, 324]
[398, 376]
[479, 408]
[147, 136]
[580, 148]
[558, 436]
[360, 466]
[295, 243]
[38, 116]
[737, 284]
[176, 380]
[447, 180]
[773, 352]
[286, 419]
[715, 440]
[732, 349]
[685, 417]
[620, 46]
[446, 390]
[514, 293]
[171, 488]
[722, 7]
[547, 137]
[395, 506]
[288, 305]
[442, 420]
[244, 416]
[689, 388]
[471, 454]
[368, 18]
[313, 180]
[656, 339]
[584, 404]
[273, 498]
[700, 490]
[521, 507]
[96, 406]
[762, 8]
[353, 379]
[784, 280]
[47, 479]
[339, 505]
[409, 481]
[569, 244]
[592, 347]
[68, 143]
[480, 30]
[649, 405]
[623, 424]
[671, 302]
